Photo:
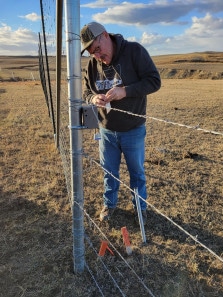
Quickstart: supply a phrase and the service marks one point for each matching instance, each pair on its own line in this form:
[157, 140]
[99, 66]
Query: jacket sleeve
[147, 78]
[87, 93]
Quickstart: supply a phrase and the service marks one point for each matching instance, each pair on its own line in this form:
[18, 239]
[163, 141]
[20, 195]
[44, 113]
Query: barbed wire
[194, 238]
[165, 121]
[92, 276]
[104, 265]
[114, 248]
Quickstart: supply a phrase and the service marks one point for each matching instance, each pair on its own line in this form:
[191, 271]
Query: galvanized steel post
[73, 46]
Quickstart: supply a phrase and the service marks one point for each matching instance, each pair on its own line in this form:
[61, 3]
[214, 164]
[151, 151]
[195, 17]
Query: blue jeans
[111, 147]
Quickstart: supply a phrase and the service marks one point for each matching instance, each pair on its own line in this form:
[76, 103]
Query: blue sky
[162, 26]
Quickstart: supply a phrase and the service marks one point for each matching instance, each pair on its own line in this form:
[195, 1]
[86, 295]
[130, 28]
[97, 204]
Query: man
[122, 74]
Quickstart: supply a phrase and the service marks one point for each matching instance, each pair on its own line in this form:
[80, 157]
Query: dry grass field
[184, 180]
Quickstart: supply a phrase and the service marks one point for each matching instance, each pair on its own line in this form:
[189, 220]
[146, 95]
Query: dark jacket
[131, 67]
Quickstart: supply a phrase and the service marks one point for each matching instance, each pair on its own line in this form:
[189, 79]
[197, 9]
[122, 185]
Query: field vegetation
[184, 168]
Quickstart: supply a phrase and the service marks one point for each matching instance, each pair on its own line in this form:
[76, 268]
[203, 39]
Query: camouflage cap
[88, 34]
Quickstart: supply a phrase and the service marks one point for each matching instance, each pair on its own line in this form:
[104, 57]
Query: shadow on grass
[36, 250]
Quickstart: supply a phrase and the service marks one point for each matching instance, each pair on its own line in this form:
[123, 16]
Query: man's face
[102, 49]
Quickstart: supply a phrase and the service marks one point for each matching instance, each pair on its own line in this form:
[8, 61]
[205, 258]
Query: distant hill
[205, 65]
[198, 65]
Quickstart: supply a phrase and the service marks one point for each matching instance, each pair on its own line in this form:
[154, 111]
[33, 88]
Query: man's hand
[99, 100]
[116, 93]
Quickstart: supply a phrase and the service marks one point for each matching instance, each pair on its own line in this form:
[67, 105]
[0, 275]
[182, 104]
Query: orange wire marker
[103, 248]
[126, 240]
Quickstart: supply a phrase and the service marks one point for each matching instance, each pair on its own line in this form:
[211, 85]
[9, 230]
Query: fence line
[104, 265]
[123, 259]
[92, 276]
[64, 150]
[159, 212]
[166, 121]
[65, 153]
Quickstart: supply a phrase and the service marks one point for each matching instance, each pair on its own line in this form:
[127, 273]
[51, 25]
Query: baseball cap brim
[87, 45]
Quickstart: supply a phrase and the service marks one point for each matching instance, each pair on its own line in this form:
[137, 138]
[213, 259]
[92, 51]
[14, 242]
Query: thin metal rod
[47, 69]
[42, 74]
[73, 47]
[59, 17]
[140, 216]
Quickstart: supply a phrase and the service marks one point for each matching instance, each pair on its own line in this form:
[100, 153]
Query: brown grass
[184, 180]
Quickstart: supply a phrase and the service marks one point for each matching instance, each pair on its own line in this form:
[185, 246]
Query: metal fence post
[72, 24]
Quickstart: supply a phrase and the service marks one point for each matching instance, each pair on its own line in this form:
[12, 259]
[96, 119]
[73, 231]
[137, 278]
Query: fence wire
[119, 284]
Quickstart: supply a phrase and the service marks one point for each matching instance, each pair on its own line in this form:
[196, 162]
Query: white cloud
[19, 42]
[31, 17]
[100, 4]
[157, 12]
[149, 38]
[203, 35]
[206, 26]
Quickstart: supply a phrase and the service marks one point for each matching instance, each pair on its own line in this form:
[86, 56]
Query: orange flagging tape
[103, 248]
[126, 240]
